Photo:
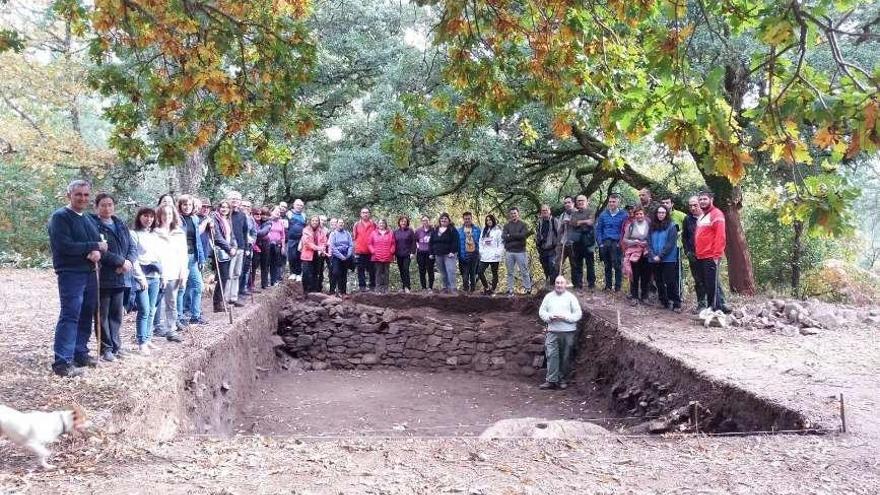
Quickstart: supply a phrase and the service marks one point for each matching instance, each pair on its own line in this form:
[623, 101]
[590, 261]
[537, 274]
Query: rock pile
[324, 332]
[792, 317]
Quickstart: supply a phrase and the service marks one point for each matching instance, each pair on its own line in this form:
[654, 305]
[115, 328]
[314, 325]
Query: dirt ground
[390, 403]
[799, 371]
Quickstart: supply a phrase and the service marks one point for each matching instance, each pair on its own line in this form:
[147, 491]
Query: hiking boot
[633, 302]
[548, 386]
[676, 309]
[237, 304]
[563, 385]
[726, 309]
[108, 356]
[198, 321]
[173, 337]
[86, 362]
[219, 309]
[122, 354]
[68, 371]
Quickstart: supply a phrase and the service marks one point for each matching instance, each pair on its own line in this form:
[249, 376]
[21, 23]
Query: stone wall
[326, 332]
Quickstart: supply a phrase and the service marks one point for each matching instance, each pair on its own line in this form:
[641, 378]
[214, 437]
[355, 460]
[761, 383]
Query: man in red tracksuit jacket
[709, 242]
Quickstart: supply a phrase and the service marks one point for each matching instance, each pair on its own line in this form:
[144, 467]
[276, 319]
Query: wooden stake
[842, 415]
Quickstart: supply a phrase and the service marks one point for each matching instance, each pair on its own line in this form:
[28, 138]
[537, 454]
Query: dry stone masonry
[324, 332]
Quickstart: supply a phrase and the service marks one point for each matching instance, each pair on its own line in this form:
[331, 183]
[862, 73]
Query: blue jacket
[341, 244]
[72, 237]
[663, 243]
[119, 249]
[609, 226]
[461, 242]
[297, 223]
[200, 246]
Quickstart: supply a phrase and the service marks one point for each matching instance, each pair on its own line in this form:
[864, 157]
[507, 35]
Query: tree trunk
[191, 173]
[797, 251]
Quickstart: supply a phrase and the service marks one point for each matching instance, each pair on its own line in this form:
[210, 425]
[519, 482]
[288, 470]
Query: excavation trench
[415, 365]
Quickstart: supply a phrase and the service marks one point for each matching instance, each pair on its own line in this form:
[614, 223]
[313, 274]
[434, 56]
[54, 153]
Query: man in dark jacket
[76, 251]
[296, 224]
[582, 223]
[240, 232]
[687, 237]
[514, 235]
[546, 240]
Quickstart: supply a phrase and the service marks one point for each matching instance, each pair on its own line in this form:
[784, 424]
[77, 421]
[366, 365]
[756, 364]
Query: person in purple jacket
[405, 250]
[423, 254]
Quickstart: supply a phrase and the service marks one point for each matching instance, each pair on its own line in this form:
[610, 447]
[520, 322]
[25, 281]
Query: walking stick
[226, 308]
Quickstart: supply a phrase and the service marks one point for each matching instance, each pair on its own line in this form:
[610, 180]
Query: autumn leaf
[560, 127]
[826, 138]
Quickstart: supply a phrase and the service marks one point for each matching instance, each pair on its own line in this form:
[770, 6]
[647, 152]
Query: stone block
[467, 336]
[497, 361]
[369, 359]
[452, 360]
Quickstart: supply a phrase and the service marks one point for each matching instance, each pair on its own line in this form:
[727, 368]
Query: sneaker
[122, 354]
[144, 349]
[292, 277]
[150, 344]
[237, 304]
[548, 386]
[87, 362]
[726, 309]
[406, 291]
[563, 385]
[676, 310]
[108, 356]
[198, 321]
[68, 371]
[173, 337]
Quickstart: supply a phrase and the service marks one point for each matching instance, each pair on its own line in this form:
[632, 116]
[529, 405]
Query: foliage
[836, 281]
[635, 70]
[187, 75]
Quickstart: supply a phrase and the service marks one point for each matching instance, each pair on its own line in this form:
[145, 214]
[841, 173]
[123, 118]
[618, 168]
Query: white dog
[35, 429]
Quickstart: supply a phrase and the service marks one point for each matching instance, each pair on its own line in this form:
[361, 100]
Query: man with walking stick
[221, 276]
[76, 249]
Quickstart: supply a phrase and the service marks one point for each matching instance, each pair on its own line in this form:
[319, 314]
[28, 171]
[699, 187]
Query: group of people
[157, 264]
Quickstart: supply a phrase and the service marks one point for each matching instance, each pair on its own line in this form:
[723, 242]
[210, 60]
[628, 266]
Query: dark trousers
[261, 260]
[111, 319]
[699, 283]
[319, 272]
[666, 276]
[494, 266]
[365, 267]
[310, 276]
[548, 265]
[714, 293]
[403, 263]
[78, 294]
[293, 257]
[641, 276]
[244, 280]
[611, 256]
[426, 269]
[467, 266]
[276, 263]
[382, 268]
[222, 277]
[582, 256]
[338, 275]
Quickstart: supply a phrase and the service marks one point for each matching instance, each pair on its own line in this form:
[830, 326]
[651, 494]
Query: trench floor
[396, 403]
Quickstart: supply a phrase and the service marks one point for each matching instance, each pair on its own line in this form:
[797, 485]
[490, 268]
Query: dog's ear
[79, 417]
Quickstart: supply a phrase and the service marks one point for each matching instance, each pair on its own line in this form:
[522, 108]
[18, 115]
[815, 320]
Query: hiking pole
[226, 308]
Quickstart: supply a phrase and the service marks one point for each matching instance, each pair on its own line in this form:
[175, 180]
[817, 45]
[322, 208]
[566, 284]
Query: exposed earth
[801, 371]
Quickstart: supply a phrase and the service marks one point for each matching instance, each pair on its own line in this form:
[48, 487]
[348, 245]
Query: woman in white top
[148, 275]
[173, 257]
[491, 253]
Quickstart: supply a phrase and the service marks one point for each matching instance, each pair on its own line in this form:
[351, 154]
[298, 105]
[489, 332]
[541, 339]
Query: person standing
[117, 264]
[248, 259]
[261, 250]
[275, 240]
[240, 231]
[561, 311]
[341, 246]
[709, 242]
[635, 238]
[649, 205]
[423, 254]
[688, 233]
[189, 301]
[491, 252]
[173, 258]
[148, 276]
[514, 235]
[296, 223]
[382, 251]
[663, 258]
[567, 235]
[361, 232]
[546, 241]
[583, 244]
[404, 250]
[468, 252]
[444, 248]
[314, 247]
[77, 249]
[608, 231]
[225, 248]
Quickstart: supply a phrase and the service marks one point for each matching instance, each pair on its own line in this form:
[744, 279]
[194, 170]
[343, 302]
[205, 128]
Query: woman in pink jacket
[382, 254]
[314, 247]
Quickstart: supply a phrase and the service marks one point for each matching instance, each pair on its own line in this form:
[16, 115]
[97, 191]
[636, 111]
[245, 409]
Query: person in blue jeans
[190, 299]
[608, 232]
[76, 251]
[147, 275]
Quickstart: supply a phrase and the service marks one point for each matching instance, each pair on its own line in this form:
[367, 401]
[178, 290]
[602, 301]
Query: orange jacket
[361, 233]
[313, 242]
[711, 235]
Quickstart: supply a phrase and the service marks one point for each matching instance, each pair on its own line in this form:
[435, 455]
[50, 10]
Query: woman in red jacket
[382, 254]
[314, 247]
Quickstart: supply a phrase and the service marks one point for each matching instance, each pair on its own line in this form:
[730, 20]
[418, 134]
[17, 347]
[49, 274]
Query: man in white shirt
[561, 310]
